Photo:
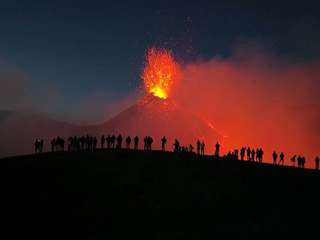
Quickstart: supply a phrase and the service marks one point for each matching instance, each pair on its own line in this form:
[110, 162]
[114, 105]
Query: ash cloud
[258, 99]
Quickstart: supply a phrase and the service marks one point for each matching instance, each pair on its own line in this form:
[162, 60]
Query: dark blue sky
[84, 46]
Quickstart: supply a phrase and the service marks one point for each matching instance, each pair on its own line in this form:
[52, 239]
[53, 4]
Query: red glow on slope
[160, 72]
[225, 137]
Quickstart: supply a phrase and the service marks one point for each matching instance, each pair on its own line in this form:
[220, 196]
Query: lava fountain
[160, 72]
[157, 115]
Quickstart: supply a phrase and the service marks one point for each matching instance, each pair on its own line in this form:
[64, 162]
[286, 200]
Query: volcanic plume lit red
[160, 72]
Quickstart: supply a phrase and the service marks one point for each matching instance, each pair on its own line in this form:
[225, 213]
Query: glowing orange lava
[160, 72]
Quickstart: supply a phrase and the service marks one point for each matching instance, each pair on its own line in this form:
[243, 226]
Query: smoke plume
[258, 100]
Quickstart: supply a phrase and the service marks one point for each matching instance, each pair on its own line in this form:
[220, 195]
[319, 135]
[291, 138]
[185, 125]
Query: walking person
[281, 158]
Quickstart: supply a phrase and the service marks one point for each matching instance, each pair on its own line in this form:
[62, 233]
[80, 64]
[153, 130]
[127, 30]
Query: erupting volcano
[157, 115]
[160, 72]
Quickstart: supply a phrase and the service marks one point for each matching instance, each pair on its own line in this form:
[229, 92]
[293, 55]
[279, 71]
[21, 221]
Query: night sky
[80, 61]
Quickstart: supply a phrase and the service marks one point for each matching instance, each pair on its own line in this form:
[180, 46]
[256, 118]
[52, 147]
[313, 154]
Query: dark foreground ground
[127, 194]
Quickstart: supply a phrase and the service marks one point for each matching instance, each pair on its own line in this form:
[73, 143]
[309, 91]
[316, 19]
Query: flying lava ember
[160, 72]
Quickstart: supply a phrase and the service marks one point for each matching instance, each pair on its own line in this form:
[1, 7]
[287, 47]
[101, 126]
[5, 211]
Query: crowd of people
[90, 142]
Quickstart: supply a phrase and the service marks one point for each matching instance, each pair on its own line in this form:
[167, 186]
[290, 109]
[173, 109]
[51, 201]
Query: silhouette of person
[113, 139]
[87, 141]
[53, 143]
[82, 142]
[293, 159]
[261, 154]
[102, 141]
[317, 162]
[108, 140]
[94, 142]
[281, 158]
[191, 148]
[274, 156]
[62, 144]
[149, 142]
[252, 154]
[248, 154]
[202, 147]
[176, 146]
[198, 146]
[136, 142]
[36, 145]
[119, 141]
[236, 154]
[163, 143]
[145, 142]
[58, 144]
[128, 141]
[299, 161]
[303, 162]
[217, 149]
[242, 152]
[41, 145]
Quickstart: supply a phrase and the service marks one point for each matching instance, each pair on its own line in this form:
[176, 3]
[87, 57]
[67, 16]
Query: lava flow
[160, 72]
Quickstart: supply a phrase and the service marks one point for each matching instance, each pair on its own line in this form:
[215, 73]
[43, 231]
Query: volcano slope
[157, 117]
[135, 194]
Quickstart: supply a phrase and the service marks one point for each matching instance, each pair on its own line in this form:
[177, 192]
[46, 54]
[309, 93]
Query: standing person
[202, 148]
[128, 141]
[260, 155]
[217, 149]
[191, 148]
[303, 162]
[299, 161]
[145, 140]
[94, 142]
[176, 146]
[163, 143]
[62, 144]
[53, 143]
[293, 159]
[252, 154]
[119, 141]
[136, 142]
[281, 158]
[149, 143]
[317, 163]
[242, 152]
[113, 139]
[102, 141]
[274, 156]
[198, 146]
[248, 154]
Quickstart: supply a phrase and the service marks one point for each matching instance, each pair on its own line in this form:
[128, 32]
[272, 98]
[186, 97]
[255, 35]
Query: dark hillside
[128, 194]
